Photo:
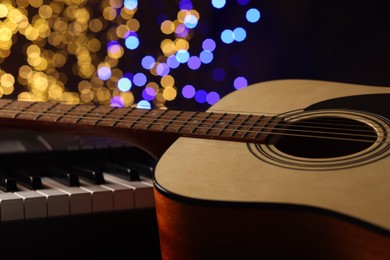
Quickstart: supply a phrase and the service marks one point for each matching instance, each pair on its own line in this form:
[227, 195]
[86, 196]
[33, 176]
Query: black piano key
[89, 173]
[28, 178]
[63, 176]
[143, 169]
[8, 184]
[122, 171]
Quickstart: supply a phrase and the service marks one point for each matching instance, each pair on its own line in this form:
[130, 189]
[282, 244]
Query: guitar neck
[210, 125]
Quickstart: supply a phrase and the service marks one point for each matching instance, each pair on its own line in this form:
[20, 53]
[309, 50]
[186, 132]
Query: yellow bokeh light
[45, 11]
[36, 3]
[5, 34]
[95, 25]
[169, 93]
[167, 81]
[128, 98]
[122, 30]
[15, 15]
[7, 80]
[168, 47]
[181, 44]
[66, 40]
[109, 13]
[167, 27]
[3, 11]
[133, 25]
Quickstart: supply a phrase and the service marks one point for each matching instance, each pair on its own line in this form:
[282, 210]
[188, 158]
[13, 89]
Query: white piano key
[11, 207]
[80, 201]
[102, 198]
[57, 202]
[143, 191]
[123, 196]
[34, 204]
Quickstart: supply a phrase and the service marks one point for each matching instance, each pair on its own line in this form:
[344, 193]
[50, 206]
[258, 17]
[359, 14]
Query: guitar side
[215, 199]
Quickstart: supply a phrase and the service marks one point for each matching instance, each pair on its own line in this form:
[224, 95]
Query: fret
[224, 130]
[79, 113]
[50, 106]
[13, 108]
[54, 113]
[240, 125]
[105, 119]
[95, 115]
[173, 119]
[65, 112]
[204, 117]
[153, 124]
[187, 121]
[270, 124]
[4, 113]
[4, 103]
[216, 122]
[48, 115]
[140, 114]
[22, 114]
[250, 128]
[34, 111]
[121, 113]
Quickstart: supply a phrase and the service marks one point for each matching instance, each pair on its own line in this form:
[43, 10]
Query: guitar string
[332, 122]
[210, 120]
[204, 122]
[306, 124]
[314, 124]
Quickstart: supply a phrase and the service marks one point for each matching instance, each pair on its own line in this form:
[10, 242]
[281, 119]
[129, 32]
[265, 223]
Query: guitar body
[292, 197]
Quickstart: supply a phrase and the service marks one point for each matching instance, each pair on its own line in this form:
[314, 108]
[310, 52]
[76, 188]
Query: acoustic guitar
[285, 169]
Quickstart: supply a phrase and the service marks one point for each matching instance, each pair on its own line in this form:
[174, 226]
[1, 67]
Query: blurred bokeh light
[119, 52]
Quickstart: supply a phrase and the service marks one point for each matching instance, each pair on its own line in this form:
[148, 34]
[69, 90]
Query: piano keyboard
[80, 178]
[75, 196]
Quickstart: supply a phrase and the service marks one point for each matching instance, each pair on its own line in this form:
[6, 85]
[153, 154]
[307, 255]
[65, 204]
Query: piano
[74, 196]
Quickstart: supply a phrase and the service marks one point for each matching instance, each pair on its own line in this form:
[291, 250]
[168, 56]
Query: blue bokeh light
[218, 3]
[201, 96]
[212, 98]
[188, 91]
[104, 72]
[219, 74]
[194, 63]
[162, 69]
[253, 15]
[139, 79]
[185, 4]
[148, 62]
[240, 82]
[144, 104]
[124, 84]
[239, 34]
[190, 21]
[131, 4]
[242, 2]
[209, 45]
[182, 56]
[206, 57]
[132, 42]
[227, 36]
[172, 62]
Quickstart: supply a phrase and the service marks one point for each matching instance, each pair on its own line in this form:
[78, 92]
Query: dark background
[336, 40]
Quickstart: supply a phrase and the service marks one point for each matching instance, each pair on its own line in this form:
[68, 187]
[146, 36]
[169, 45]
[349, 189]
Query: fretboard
[211, 125]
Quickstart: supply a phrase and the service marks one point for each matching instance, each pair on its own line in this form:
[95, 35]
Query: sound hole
[325, 137]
